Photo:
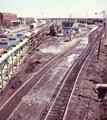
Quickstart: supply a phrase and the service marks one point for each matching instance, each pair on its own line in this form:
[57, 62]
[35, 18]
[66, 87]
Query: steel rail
[6, 108]
[67, 111]
[63, 90]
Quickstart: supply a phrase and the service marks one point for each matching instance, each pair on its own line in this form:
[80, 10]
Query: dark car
[6, 45]
[20, 36]
[4, 36]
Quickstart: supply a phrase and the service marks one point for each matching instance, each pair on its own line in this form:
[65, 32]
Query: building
[22, 20]
[8, 19]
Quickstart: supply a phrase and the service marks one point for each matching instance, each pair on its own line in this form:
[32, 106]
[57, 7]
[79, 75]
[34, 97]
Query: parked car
[13, 40]
[6, 31]
[1, 32]
[6, 45]
[20, 36]
[34, 31]
[4, 35]
[31, 31]
[27, 34]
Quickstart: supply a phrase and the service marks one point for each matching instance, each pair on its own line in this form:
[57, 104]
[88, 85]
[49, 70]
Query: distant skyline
[54, 8]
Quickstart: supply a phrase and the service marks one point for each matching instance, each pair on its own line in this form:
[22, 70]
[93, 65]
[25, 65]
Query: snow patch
[72, 58]
[39, 97]
[51, 49]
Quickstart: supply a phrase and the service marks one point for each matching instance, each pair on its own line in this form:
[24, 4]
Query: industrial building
[9, 19]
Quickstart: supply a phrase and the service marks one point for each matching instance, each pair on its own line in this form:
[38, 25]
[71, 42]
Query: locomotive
[54, 29]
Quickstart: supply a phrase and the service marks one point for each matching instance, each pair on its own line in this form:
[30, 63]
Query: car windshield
[29, 30]
[3, 43]
[67, 24]
[12, 39]
[19, 34]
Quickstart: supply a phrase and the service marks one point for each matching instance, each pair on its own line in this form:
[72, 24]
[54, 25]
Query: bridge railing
[11, 61]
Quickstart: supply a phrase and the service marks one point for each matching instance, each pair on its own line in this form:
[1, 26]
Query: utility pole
[43, 27]
[86, 17]
[78, 17]
[0, 24]
[42, 15]
[103, 18]
[101, 35]
[106, 24]
[103, 13]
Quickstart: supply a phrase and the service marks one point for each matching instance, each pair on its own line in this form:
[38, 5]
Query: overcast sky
[53, 8]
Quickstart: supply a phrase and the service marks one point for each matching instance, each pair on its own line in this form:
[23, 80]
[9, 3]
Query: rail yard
[49, 75]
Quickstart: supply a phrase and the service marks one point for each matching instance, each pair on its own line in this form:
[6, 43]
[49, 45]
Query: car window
[19, 34]
[3, 43]
[12, 39]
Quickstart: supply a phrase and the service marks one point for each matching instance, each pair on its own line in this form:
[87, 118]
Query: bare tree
[29, 20]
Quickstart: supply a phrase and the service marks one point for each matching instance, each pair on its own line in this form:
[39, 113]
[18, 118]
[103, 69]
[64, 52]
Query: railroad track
[60, 104]
[11, 104]
[72, 108]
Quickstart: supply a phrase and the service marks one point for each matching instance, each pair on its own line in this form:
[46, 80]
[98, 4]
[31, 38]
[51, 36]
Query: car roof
[4, 42]
[12, 37]
[20, 33]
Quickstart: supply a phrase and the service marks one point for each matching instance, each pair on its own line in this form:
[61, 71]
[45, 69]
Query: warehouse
[8, 19]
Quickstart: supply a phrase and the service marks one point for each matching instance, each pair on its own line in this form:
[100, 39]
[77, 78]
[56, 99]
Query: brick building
[9, 19]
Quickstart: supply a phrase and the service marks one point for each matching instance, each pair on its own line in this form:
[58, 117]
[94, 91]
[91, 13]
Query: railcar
[55, 29]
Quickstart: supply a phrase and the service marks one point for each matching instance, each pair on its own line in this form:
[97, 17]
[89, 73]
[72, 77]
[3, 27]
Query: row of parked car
[10, 42]
[5, 46]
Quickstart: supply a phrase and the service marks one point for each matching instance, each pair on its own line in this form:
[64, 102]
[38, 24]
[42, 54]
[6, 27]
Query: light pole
[103, 12]
[86, 17]
[101, 33]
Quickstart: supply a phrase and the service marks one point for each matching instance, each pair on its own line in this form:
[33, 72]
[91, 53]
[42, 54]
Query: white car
[27, 34]
[7, 30]
[32, 31]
